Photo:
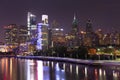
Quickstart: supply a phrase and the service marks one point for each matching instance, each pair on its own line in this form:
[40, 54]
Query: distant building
[57, 34]
[115, 38]
[75, 28]
[82, 36]
[22, 33]
[11, 34]
[106, 39]
[50, 44]
[89, 28]
[42, 33]
[91, 38]
[69, 40]
[15, 34]
[100, 36]
[75, 42]
[73, 38]
[32, 26]
[88, 36]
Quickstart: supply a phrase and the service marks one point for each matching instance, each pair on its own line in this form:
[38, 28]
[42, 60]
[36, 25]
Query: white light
[61, 29]
[31, 15]
[104, 73]
[77, 69]
[48, 63]
[56, 29]
[45, 19]
[30, 73]
[85, 71]
[115, 75]
[100, 72]
[64, 66]
[57, 67]
[52, 64]
[98, 49]
[40, 70]
[28, 70]
[71, 68]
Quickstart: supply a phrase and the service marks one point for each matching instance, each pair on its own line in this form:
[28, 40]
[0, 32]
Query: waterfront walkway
[72, 60]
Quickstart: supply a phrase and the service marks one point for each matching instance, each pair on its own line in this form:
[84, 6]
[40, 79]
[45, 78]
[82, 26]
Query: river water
[26, 69]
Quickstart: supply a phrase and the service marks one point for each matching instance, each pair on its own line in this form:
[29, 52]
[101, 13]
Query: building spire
[75, 22]
[74, 16]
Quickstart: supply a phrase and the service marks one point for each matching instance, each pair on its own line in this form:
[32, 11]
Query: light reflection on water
[25, 69]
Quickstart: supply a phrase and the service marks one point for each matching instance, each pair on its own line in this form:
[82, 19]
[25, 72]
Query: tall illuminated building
[57, 35]
[42, 35]
[75, 28]
[10, 34]
[75, 33]
[15, 34]
[32, 27]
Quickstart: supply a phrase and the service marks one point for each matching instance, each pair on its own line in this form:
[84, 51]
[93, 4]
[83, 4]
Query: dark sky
[104, 14]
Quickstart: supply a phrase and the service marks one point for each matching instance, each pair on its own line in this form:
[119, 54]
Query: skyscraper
[15, 34]
[57, 34]
[75, 28]
[89, 28]
[42, 35]
[11, 34]
[89, 34]
[74, 41]
[32, 27]
[91, 38]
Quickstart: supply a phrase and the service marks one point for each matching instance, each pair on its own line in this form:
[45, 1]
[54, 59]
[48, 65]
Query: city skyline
[103, 14]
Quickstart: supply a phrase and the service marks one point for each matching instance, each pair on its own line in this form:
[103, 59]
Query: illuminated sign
[45, 19]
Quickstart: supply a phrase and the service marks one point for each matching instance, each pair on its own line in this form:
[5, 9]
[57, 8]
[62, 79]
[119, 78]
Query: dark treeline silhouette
[82, 52]
[62, 51]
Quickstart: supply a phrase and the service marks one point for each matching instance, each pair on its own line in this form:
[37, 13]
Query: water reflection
[24, 69]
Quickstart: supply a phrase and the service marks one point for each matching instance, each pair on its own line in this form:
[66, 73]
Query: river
[29, 69]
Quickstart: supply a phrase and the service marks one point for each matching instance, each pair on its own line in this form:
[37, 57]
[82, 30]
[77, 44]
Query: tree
[82, 52]
[61, 50]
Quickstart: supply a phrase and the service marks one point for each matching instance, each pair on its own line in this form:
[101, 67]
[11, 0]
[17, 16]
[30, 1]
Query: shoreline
[69, 60]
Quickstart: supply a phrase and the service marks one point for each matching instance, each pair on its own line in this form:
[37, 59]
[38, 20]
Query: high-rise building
[42, 35]
[75, 33]
[57, 34]
[32, 27]
[100, 34]
[89, 28]
[22, 33]
[115, 38]
[11, 34]
[75, 28]
[106, 39]
[91, 38]
[15, 34]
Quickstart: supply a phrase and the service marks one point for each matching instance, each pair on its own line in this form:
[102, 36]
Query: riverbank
[70, 60]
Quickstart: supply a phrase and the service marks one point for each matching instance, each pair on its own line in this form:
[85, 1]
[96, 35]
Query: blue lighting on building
[39, 41]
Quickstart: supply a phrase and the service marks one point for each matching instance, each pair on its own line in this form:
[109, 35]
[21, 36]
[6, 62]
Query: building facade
[32, 26]
[15, 34]
[75, 42]
[42, 33]
[57, 34]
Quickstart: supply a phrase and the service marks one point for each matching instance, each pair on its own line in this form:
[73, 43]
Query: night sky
[104, 14]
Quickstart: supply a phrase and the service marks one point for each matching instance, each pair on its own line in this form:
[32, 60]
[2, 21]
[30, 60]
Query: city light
[45, 19]
[39, 41]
